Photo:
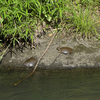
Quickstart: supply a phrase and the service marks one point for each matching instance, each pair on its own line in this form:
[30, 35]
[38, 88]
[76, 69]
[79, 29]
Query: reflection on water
[69, 84]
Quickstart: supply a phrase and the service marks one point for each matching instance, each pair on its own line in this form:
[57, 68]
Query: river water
[65, 84]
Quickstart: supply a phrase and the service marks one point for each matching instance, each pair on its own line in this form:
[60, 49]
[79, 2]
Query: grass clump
[84, 21]
[24, 20]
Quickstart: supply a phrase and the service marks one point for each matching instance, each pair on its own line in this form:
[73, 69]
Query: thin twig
[5, 50]
[82, 42]
[38, 59]
[44, 51]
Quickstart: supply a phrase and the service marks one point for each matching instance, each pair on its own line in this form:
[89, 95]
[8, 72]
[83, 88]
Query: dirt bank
[86, 55]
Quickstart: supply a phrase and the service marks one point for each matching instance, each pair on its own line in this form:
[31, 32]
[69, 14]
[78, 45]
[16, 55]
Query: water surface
[69, 84]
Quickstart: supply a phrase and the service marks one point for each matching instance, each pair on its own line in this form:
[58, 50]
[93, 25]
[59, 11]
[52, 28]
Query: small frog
[30, 62]
[65, 50]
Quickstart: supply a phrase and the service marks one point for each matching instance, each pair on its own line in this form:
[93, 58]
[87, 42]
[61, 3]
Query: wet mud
[82, 55]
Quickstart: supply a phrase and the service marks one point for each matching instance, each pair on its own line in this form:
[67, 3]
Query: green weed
[21, 18]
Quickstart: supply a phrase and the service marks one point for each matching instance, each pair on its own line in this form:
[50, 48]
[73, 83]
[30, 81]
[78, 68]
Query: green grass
[84, 21]
[21, 18]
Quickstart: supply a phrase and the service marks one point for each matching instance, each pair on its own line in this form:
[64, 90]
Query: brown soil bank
[86, 55]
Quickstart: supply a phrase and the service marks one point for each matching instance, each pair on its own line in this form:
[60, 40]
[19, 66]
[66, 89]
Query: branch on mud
[54, 34]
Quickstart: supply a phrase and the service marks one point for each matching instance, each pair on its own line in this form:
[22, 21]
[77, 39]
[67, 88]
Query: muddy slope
[85, 54]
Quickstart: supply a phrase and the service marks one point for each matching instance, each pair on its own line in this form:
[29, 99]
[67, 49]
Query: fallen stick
[3, 52]
[54, 34]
